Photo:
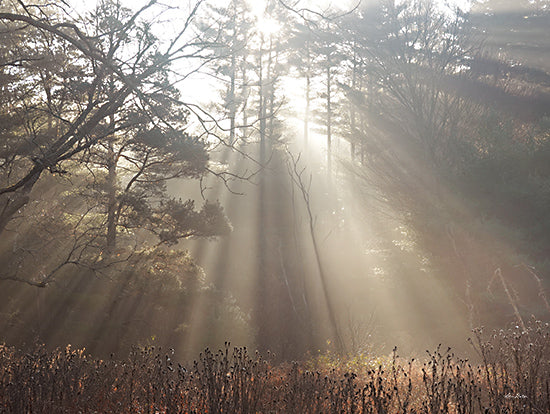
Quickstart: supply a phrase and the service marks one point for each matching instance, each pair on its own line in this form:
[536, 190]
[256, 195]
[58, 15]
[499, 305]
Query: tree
[301, 43]
[230, 31]
[118, 84]
[114, 121]
[451, 142]
[331, 59]
[318, 56]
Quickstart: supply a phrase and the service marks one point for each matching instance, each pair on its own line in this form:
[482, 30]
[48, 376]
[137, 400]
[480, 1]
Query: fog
[381, 173]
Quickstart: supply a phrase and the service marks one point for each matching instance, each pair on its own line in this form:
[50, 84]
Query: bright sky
[202, 89]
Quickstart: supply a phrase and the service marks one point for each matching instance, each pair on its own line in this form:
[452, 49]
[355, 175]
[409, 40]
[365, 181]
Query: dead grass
[513, 377]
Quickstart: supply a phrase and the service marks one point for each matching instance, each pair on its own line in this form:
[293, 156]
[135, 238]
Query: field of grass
[513, 376]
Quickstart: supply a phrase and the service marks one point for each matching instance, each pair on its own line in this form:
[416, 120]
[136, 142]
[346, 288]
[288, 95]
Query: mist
[299, 179]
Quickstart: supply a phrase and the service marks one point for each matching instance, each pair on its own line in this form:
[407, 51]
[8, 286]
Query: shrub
[513, 376]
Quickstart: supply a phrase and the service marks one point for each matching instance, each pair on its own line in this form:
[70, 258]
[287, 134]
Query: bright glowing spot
[268, 26]
[378, 271]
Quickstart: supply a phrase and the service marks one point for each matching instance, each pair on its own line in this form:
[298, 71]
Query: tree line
[444, 120]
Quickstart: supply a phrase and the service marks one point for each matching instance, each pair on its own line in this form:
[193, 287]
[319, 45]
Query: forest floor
[513, 376]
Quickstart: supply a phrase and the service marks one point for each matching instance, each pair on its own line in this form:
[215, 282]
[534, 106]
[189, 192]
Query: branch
[296, 175]
[304, 10]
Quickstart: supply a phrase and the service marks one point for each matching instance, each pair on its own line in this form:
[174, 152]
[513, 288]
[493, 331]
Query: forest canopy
[188, 174]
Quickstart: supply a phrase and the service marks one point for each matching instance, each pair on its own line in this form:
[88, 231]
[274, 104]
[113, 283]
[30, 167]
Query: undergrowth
[513, 377]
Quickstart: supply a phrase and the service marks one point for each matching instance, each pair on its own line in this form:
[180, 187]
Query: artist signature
[516, 396]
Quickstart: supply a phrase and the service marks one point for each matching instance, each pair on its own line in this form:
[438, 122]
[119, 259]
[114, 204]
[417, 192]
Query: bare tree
[303, 185]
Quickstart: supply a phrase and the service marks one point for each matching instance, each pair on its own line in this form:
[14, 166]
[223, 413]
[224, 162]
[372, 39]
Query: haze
[299, 181]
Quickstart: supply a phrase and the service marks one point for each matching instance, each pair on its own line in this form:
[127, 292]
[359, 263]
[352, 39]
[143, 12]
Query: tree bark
[111, 199]
[233, 74]
[13, 202]
[329, 119]
[308, 95]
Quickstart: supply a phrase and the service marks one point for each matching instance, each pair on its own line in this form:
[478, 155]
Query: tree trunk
[111, 199]
[353, 127]
[11, 203]
[329, 119]
[261, 109]
[271, 90]
[232, 108]
[111, 192]
[308, 95]
[244, 97]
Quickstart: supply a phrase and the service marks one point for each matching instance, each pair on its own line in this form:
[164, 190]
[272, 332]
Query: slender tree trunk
[111, 200]
[333, 320]
[329, 118]
[232, 107]
[245, 105]
[262, 307]
[308, 95]
[353, 127]
[271, 90]
[111, 193]
[362, 118]
[261, 109]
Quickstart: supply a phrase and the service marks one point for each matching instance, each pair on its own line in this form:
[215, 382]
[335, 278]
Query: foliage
[147, 298]
[95, 104]
[115, 102]
[454, 142]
